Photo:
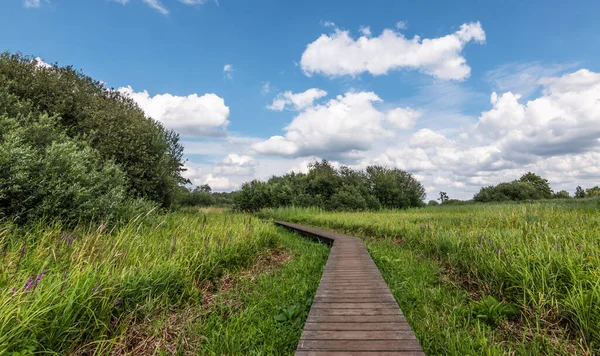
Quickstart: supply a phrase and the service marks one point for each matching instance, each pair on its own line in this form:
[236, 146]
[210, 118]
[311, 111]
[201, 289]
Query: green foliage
[541, 185]
[334, 189]
[529, 187]
[293, 313]
[199, 196]
[563, 194]
[492, 311]
[110, 123]
[592, 192]
[443, 197]
[540, 257]
[579, 192]
[92, 283]
[43, 172]
[433, 203]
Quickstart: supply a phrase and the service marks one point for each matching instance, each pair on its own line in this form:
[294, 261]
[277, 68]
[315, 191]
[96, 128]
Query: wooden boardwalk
[353, 312]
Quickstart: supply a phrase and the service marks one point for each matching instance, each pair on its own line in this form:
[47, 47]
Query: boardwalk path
[354, 312]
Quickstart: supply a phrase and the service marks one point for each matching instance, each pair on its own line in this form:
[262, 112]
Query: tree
[593, 192]
[108, 121]
[205, 188]
[563, 194]
[443, 197]
[579, 192]
[334, 189]
[540, 184]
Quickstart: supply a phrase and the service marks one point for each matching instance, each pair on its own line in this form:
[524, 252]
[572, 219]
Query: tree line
[333, 188]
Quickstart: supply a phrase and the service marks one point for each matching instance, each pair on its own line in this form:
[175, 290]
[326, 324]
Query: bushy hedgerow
[334, 189]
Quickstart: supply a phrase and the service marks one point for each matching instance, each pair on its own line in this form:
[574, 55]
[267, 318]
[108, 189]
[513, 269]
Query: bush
[110, 123]
[513, 191]
[334, 189]
[43, 172]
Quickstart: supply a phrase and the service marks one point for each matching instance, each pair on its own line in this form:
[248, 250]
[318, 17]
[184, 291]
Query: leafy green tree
[563, 194]
[43, 172]
[112, 124]
[334, 189]
[540, 184]
[443, 197]
[593, 192]
[433, 203]
[579, 192]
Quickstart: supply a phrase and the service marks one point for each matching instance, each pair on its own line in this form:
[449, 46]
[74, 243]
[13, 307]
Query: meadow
[206, 282]
[486, 278]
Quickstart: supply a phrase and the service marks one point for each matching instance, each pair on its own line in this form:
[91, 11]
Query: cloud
[237, 165]
[191, 115]
[365, 31]
[563, 120]
[193, 2]
[228, 70]
[299, 100]
[40, 64]
[339, 54]
[218, 184]
[32, 3]
[403, 118]
[523, 78]
[157, 5]
[348, 122]
[556, 135]
[401, 25]
[266, 87]
[122, 2]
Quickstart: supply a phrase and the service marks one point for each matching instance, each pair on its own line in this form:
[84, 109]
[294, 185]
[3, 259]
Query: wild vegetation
[70, 148]
[512, 276]
[88, 289]
[334, 189]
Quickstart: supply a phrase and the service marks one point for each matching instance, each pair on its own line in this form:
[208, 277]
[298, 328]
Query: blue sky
[424, 105]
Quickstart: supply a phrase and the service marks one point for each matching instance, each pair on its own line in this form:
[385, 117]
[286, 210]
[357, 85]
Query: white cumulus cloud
[403, 118]
[299, 100]
[339, 54]
[192, 115]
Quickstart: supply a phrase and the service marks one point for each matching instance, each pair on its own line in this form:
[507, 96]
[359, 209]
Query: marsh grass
[541, 257]
[76, 291]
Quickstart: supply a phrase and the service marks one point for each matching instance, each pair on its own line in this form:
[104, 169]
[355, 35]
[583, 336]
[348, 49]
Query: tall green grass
[542, 257]
[65, 291]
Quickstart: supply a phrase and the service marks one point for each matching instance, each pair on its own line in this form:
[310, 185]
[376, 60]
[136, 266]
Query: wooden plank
[359, 345]
[353, 312]
[397, 326]
[360, 353]
[357, 335]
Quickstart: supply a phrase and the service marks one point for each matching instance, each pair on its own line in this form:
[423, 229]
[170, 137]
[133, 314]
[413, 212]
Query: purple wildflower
[579, 247]
[23, 250]
[28, 284]
[13, 291]
[38, 279]
[117, 302]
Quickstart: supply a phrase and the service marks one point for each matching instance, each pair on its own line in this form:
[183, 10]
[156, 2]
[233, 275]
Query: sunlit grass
[64, 291]
[541, 257]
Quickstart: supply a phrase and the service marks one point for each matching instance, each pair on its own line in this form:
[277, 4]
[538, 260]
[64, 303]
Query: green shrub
[110, 123]
[43, 172]
[335, 189]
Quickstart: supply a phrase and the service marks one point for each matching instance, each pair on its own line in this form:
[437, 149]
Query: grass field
[174, 283]
[486, 279]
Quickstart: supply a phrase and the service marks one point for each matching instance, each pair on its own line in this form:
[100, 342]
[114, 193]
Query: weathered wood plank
[360, 353]
[359, 345]
[353, 312]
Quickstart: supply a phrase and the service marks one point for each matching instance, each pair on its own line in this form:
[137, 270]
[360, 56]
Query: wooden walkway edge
[353, 312]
